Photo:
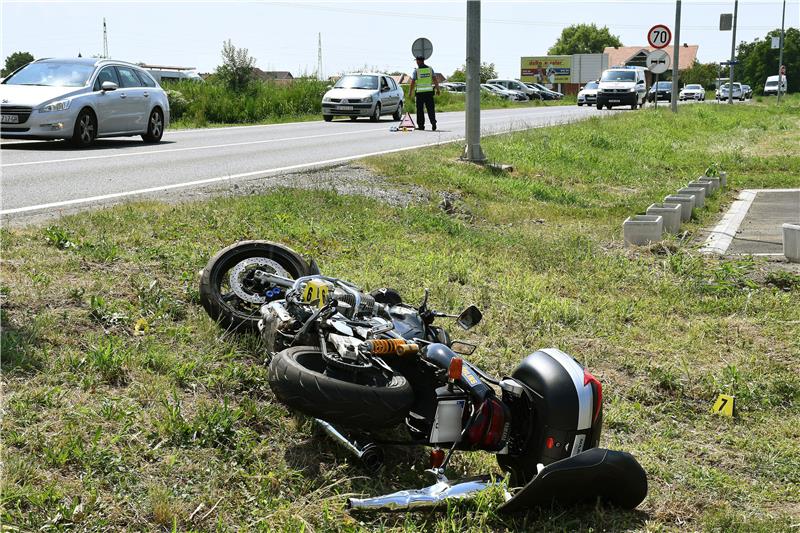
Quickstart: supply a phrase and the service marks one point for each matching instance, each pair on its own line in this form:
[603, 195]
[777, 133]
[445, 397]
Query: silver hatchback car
[82, 99]
[363, 95]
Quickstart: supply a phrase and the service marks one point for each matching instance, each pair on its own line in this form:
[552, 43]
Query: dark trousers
[425, 99]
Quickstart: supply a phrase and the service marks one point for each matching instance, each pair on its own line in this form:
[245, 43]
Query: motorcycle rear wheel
[296, 376]
[239, 312]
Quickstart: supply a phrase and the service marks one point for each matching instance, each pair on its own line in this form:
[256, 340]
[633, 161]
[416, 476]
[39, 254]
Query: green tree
[757, 60]
[237, 67]
[583, 39]
[703, 73]
[16, 60]
[488, 71]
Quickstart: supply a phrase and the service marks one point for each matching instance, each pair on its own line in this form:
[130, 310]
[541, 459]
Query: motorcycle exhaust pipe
[370, 454]
[428, 497]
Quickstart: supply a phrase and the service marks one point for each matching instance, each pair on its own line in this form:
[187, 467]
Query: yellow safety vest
[424, 80]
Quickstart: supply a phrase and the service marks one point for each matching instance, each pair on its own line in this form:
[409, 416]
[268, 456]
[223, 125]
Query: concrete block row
[666, 217]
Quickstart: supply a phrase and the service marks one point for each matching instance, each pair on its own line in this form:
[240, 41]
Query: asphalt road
[47, 175]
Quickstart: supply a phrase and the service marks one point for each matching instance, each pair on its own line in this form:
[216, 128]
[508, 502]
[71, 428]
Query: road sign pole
[780, 54]
[675, 53]
[655, 94]
[733, 52]
[473, 151]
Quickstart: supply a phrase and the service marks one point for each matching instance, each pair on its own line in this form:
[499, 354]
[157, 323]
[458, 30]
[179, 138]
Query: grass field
[125, 408]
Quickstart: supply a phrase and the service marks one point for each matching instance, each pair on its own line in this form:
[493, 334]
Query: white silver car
[588, 93]
[82, 99]
[693, 91]
[363, 95]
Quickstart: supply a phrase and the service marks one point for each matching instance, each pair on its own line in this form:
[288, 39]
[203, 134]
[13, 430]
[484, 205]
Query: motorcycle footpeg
[611, 476]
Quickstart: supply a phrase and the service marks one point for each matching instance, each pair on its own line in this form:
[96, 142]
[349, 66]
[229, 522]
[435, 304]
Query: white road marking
[208, 181]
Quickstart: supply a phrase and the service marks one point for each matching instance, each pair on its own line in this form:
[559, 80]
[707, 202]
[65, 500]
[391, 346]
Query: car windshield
[357, 82]
[591, 85]
[52, 74]
[618, 75]
[664, 85]
[772, 83]
[693, 87]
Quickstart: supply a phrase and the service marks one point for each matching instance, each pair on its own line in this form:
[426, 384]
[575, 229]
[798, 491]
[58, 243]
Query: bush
[215, 102]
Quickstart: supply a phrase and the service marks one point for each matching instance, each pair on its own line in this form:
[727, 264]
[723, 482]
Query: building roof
[625, 54]
[273, 74]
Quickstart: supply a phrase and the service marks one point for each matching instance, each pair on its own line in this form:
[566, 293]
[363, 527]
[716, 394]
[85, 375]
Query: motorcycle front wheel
[229, 291]
[299, 379]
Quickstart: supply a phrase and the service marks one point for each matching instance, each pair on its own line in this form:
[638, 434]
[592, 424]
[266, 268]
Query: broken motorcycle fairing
[360, 362]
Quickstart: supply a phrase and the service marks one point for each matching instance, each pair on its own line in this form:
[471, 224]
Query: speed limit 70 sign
[659, 36]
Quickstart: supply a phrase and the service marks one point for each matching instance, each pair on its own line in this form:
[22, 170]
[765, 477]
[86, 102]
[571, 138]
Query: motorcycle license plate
[345, 108]
[10, 119]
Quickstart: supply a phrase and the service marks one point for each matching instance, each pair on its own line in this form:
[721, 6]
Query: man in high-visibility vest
[423, 85]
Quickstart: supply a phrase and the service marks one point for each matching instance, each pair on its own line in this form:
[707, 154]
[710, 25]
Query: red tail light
[488, 431]
[598, 392]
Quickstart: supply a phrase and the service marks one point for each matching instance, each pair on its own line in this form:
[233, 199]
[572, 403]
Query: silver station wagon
[363, 95]
[82, 99]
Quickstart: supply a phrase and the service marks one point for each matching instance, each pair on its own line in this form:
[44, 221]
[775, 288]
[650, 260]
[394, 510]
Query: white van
[771, 87]
[622, 86]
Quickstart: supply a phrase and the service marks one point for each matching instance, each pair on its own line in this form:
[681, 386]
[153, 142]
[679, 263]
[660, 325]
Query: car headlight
[61, 105]
[367, 99]
[326, 98]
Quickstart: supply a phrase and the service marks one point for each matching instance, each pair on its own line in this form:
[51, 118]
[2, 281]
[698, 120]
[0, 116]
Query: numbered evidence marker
[724, 405]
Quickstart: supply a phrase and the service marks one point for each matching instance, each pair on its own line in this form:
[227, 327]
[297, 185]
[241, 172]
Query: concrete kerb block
[686, 201]
[699, 195]
[723, 179]
[791, 242]
[640, 230]
[713, 181]
[671, 215]
[704, 184]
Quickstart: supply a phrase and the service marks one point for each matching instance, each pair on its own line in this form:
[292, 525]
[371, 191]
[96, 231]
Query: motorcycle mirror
[424, 305]
[463, 348]
[469, 317]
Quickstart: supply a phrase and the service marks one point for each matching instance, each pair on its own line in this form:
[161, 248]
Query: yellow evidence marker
[724, 405]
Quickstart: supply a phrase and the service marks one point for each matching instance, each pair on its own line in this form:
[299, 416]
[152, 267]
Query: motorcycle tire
[297, 379]
[231, 312]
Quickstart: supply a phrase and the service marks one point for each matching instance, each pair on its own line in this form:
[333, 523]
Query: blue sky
[283, 35]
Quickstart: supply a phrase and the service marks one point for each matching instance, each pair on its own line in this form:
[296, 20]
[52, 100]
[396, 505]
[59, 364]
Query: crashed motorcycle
[363, 362]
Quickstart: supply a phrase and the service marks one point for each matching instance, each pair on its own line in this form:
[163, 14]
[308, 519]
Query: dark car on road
[661, 90]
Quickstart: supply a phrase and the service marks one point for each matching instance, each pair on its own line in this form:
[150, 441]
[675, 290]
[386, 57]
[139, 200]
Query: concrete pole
[676, 51]
[473, 151]
[733, 52]
[780, 54]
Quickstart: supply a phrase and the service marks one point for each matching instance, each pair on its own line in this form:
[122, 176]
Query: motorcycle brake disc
[244, 267]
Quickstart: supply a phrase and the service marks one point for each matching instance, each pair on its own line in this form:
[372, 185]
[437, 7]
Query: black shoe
[433, 127]
[421, 127]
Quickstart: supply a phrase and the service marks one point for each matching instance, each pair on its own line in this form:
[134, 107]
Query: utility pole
[675, 54]
[319, 56]
[780, 54]
[105, 39]
[473, 151]
[733, 52]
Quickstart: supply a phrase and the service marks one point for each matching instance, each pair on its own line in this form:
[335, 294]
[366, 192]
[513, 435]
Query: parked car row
[82, 99]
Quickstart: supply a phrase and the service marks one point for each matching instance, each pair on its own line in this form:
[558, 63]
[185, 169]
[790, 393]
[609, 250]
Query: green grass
[126, 408]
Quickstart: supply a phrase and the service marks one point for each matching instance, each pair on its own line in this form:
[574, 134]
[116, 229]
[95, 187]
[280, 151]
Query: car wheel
[376, 115]
[398, 114]
[579, 104]
[85, 131]
[599, 105]
[155, 127]
[327, 118]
